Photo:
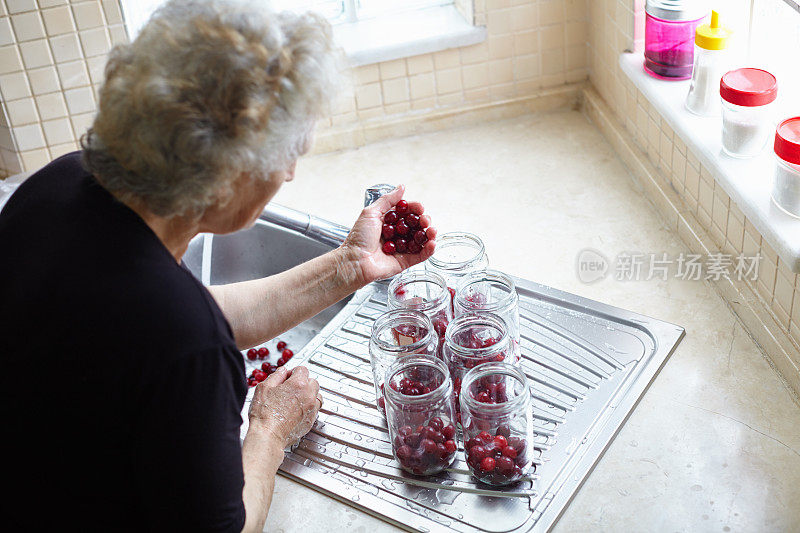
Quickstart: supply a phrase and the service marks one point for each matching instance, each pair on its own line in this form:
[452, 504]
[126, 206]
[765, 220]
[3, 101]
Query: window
[336, 11]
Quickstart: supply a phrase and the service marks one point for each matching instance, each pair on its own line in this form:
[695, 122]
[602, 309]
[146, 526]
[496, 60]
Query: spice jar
[747, 95]
[425, 292]
[669, 30]
[786, 187]
[498, 433]
[395, 334]
[494, 292]
[420, 414]
[710, 63]
[457, 254]
[474, 339]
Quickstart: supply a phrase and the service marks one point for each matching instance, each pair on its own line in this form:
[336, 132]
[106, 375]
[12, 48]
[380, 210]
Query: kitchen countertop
[714, 444]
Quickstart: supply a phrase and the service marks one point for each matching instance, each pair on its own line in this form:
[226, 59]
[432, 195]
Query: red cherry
[412, 220]
[259, 376]
[485, 437]
[471, 443]
[382, 404]
[388, 231]
[487, 465]
[414, 248]
[402, 228]
[477, 453]
[403, 452]
[483, 397]
[428, 445]
[266, 368]
[405, 431]
[450, 445]
[449, 431]
[500, 441]
[281, 361]
[505, 466]
[436, 423]
[280, 346]
[252, 353]
[262, 353]
[287, 354]
[401, 208]
[510, 452]
[390, 217]
[420, 237]
[389, 248]
[401, 245]
[252, 383]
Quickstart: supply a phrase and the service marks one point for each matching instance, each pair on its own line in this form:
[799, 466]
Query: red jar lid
[787, 140]
[749, 87]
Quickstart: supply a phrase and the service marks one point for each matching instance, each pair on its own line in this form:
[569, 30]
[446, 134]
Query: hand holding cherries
[404, 231]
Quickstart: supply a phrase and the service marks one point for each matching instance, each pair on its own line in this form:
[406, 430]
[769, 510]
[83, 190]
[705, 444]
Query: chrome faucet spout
[375, 192]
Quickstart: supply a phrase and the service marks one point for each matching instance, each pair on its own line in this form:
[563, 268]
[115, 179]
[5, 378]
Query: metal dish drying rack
[588, 364]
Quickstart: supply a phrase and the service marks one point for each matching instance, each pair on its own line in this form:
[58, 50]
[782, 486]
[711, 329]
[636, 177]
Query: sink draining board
[588, 364]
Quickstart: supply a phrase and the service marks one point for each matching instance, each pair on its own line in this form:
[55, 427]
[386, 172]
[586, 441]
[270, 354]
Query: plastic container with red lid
[786, 186]
[747, 100]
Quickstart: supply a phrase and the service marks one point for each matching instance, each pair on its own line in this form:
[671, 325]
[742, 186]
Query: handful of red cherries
[403, 231]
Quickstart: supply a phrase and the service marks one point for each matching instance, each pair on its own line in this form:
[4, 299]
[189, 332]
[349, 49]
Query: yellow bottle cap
[712, 36]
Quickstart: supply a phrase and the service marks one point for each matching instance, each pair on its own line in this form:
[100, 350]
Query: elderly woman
[123, 375]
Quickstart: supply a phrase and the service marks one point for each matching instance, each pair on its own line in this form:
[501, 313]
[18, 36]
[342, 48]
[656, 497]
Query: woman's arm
[283, 409]
[261, 309]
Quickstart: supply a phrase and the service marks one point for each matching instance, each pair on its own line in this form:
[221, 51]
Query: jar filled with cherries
[490, 291]
[475, 339]
[425, 292]
[497, 423]
[394, 334]
[457, 254]
[419, 414]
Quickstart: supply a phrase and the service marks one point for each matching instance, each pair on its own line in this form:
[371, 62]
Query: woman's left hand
[364, 240]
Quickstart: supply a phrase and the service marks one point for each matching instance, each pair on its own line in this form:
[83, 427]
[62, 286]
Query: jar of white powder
[786, 187]
[710, 63]
[747, 95]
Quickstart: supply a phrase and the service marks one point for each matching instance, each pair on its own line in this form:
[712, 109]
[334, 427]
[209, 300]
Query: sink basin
[263, 250]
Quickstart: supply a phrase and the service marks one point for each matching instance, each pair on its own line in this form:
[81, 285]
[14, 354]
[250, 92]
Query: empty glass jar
[494, 292]
[420, 414]
[497, 423]
[425, 292]
[457, 254]
[394, 334]
[475, 339]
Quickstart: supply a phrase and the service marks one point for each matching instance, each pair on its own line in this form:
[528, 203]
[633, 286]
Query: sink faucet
[375, 192]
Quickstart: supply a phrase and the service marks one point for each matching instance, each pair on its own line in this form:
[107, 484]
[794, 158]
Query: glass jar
[427, 293]
[420, 414]
[475, 339]
[669, 37]
[747, 96]
[395, 334]
[494, 292]
[786, 186]
[497, 433]
[710, 63]
[457, 254]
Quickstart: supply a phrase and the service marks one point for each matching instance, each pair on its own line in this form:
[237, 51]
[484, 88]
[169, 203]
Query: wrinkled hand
[286, 405]
[364, 239]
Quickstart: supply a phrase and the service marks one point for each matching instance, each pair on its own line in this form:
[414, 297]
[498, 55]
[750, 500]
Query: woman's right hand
[285, 405]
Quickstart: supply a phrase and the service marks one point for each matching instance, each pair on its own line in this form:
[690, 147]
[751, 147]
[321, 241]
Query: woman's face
[250, 196]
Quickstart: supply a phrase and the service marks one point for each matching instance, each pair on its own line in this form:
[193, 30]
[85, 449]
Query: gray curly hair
[210, 89]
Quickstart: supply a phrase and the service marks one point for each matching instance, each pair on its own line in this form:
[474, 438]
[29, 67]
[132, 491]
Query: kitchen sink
[588, 364]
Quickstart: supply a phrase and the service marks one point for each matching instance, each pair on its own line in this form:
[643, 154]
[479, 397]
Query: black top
[123, 383]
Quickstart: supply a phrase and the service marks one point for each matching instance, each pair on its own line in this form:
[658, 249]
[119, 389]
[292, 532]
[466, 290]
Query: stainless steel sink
[589, 364]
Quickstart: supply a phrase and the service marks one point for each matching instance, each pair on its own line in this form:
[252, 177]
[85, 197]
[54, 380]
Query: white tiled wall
[614, 24]
[52, 56]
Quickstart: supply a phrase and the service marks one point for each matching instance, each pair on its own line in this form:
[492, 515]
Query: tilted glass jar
[425, 292]
[420, 414]
[497, 425]
[457, 254]
[394, 334]
[491, 291]
[475, 339]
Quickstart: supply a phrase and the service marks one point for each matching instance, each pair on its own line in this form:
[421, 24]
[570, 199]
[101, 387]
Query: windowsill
[748, 182]
[406, 34]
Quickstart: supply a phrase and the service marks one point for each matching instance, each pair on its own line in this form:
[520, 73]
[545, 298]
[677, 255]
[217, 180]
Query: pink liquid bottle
[669, 37]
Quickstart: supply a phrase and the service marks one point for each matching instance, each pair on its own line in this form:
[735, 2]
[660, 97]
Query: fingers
[387, 201]
[277, 377]
[417, 208]
[299, 373]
